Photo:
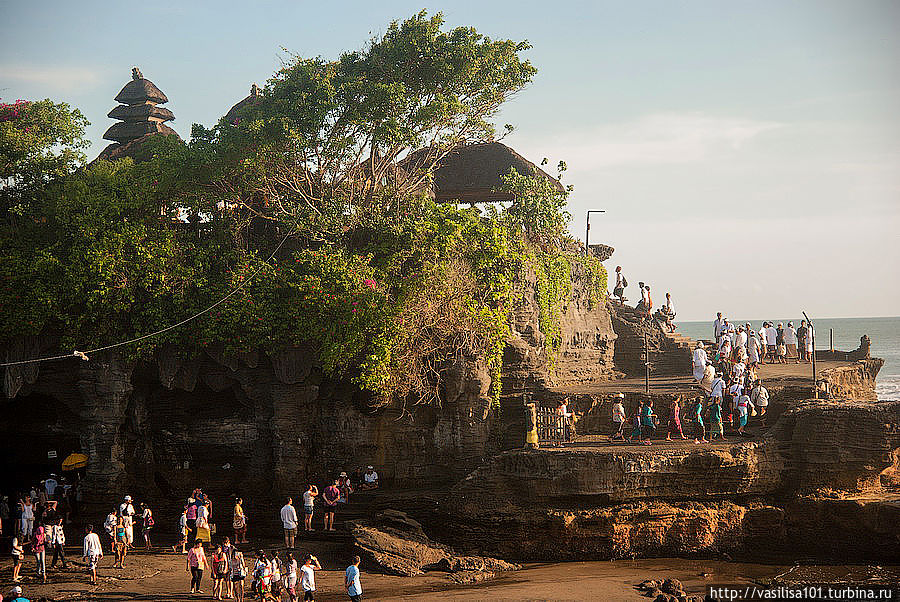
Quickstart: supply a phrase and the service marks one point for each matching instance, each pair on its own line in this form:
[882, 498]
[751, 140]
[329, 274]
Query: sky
[747, 154]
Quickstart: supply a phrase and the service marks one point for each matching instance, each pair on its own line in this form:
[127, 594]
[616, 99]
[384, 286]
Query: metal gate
[551, 427]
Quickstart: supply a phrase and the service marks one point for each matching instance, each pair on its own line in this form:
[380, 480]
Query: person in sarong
[699, 362]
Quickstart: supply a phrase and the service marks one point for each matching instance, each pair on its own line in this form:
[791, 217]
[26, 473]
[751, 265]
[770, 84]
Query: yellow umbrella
[74, 461]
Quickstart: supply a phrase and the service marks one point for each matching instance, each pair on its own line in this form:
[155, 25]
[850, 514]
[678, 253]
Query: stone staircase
[670, 352]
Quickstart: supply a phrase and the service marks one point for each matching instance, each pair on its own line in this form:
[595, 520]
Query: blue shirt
[355, 588]
[647, 413]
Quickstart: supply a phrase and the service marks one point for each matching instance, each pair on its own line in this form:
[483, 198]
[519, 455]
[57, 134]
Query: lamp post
[587, 229]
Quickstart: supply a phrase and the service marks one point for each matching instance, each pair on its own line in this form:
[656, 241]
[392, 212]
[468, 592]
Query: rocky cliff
[825, 466]
[267, 423]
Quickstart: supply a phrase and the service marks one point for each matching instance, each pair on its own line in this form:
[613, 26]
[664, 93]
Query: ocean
[884, 332]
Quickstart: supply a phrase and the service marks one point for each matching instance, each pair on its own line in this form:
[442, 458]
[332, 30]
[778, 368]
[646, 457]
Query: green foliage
[540, 205]
[389, 288]
[39, 141]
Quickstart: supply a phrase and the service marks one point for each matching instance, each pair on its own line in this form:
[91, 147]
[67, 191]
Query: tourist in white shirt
[370, 479]
[289, 522]
[309, 501]
[760, 398]
[753, 349]
[308, 577]
[718, 327]
[790, 341]
[771, 341]
[91, 551]
[126, 510]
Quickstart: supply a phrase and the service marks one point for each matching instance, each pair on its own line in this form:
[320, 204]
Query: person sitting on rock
[370, 479]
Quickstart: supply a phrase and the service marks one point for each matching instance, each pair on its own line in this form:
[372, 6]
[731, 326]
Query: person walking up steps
[699, 362]
[57, 541]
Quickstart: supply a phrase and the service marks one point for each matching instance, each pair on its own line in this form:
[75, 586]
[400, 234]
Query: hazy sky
[747, 153]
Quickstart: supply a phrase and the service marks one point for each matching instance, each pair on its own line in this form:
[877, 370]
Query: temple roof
[142, 112]
[140, 90]
[235, 111]
[474, 173]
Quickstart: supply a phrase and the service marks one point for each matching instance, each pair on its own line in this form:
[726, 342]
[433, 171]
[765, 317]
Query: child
[715, 420]
[675, 420]
[648, 422]
[121, 545]
[700, 436]
[636, 422]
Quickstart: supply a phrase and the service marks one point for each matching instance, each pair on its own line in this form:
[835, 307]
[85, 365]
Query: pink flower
[370, 283]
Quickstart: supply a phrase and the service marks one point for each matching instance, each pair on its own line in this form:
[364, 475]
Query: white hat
[127, 498]
[17, 590]
[343, 474]
[370, 467]
[621, 396]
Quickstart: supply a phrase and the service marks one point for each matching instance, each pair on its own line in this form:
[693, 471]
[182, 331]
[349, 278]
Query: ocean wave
[888, 388]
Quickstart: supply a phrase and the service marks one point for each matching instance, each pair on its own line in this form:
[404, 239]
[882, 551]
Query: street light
[587, 230]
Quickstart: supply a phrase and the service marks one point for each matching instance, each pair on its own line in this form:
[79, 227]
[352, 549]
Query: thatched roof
[133, 148]
[144, 112]
[125, 131]
[232, 115]
[473, 173]
[139, 91]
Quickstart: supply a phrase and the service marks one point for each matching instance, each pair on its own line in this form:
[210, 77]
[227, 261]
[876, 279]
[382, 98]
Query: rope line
[84, 354]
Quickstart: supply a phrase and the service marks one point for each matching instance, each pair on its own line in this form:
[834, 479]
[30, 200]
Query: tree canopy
[388, 287]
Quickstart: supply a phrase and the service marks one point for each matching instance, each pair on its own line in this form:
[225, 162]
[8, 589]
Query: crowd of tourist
[39, 529]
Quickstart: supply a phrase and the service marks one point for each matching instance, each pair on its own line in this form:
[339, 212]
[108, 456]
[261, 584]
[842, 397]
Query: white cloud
[660, 138]
[65, 79]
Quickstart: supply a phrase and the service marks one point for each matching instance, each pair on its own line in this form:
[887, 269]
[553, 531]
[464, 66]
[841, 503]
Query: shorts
[309, 595]
[308, 510]
[237, 578]
[92, 561]
[17, 560]
[744, 420]
[331, 509]
[292, 532]
[771, 349]
[618, 291]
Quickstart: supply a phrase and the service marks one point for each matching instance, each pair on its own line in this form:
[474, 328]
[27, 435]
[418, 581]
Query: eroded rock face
[409, 553]
[824, 465]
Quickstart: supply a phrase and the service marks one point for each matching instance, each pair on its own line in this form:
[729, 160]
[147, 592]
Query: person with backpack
[621, 283]
[147, 523]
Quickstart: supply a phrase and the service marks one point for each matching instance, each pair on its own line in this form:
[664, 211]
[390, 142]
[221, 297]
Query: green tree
[39, 142]
[324, 139]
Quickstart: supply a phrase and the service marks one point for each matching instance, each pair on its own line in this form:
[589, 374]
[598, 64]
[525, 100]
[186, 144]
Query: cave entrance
[37, 434]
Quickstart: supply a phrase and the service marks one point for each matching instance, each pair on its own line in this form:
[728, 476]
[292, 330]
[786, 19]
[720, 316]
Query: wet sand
[162, 576]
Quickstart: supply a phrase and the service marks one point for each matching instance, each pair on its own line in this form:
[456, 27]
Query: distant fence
[551, 427]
